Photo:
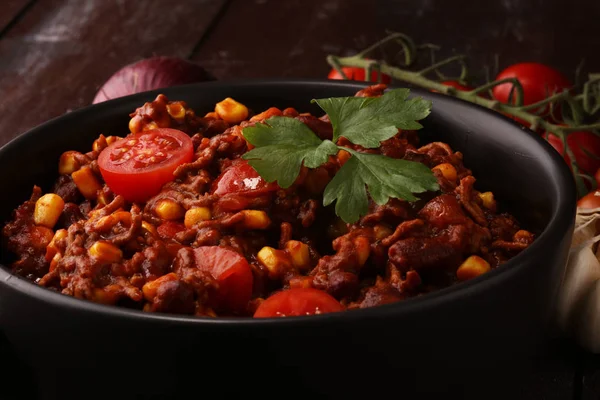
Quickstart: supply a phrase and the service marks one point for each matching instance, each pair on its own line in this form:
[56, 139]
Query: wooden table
[54, 55]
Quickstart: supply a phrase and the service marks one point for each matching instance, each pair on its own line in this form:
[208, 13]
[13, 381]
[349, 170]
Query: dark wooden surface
[54, 55]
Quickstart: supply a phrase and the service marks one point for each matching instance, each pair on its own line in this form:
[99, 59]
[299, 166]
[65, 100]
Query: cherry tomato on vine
[590, 200]
[358, 74]
[232, 272]
[137, 166]
[297, 301]
[538, 81]
[585, 147]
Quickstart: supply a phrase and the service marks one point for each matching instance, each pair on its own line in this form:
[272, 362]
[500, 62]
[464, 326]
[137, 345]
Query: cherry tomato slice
[298, 301]
[242, 179]
[585, 147]
[358, 74]
[538, 81]
[232, 272]
[137, 166]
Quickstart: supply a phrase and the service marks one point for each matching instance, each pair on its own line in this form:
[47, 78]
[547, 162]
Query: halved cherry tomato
[298, 301]
[538, 81]
[590, 200]
[585, 147]
[358, 74]
[232, 272]
[137, 166]
[241, 178]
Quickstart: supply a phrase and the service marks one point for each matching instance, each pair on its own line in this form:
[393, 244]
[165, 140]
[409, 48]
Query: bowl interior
[522, 170]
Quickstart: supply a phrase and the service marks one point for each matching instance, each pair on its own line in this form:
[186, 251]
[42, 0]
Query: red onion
[149, 74]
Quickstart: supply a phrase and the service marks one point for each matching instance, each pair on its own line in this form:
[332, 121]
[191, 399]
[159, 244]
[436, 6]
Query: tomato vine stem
[581, 106]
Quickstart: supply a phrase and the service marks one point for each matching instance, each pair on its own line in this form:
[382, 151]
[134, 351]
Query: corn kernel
[231, 111]
[472, 267]
[105, 252]
[169, 210]
[40, 237]
[255, 219]
[111, 139]
[135, 124]
[48, 209]
[276, 261]
[363, 249]
[487, 198]
[86, 182]
[99, 144]
[299, 254]
[382, 231]
[148, 227]
[447, 170]
[212, 115]
[176, 111]
[68, 163]
[195, 215]
[52, 248]
[104, 295]
[150, 288]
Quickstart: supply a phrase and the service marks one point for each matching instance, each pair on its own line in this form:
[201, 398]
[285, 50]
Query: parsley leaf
[367, 121]
[281, 145]
[384, 177]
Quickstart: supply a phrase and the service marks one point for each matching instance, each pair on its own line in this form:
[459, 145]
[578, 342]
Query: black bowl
[461, 339]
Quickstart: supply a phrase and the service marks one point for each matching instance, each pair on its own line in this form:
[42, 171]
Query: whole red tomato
[358, 74]
[585, 147]
[538, 82]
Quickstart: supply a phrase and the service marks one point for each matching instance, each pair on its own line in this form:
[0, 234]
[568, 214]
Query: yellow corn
[68, 163]
[382, 231]
[487, 198]
[363, 249]
[195, 215]
[169, 209]
[52, 248]
[149, 289]
[105, 252]
[111, 139]
[48, 209]
[231, 111]
[447, 170]
[472, 267]
[135, 124]
[86, 182]
[255, 219]
[212, 115]
[176, 111]
[148, 227]
[276, 261]
[105, 295]
[299, 254]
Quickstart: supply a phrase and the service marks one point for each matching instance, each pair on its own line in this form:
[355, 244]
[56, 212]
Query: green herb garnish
[283, 144]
